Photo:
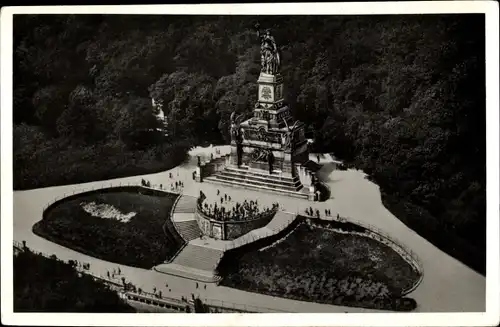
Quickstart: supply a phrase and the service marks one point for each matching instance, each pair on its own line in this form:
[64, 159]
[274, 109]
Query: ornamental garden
[326, 261]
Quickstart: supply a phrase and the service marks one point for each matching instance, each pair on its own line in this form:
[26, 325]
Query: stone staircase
[184, 220]
[186, 204]
[198, 262]
[188, 229]
[192, 261]
[198, 257]
[259, 180]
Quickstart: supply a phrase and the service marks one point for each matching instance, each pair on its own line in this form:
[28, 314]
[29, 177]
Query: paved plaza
[447, 285]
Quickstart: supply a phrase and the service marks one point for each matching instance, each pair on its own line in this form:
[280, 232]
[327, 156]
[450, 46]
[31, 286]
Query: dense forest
[48, 285]
[400, 97]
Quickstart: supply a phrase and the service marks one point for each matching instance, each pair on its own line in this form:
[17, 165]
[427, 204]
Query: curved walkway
[447, 286]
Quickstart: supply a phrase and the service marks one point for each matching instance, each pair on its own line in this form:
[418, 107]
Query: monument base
[246, 178]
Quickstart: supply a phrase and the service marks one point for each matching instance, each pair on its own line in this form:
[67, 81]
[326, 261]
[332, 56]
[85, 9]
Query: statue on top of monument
[270, 60]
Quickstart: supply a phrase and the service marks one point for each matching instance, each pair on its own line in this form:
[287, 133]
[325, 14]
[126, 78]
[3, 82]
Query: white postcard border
[491, 317]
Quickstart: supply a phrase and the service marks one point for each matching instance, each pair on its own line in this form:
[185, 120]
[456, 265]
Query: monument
[269, 150]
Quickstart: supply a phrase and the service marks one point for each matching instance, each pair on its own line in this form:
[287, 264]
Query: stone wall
[203, 223]
[218, 163]
[229, 230]
[239, 228]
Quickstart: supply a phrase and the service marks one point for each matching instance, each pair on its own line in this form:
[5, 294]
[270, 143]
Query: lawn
[321, 265]
[141, 239]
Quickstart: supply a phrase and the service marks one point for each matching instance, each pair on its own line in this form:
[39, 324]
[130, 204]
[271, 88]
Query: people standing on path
[317, 157]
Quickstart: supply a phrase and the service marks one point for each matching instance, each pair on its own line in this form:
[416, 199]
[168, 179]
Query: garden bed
[93, 223]
[318, 264]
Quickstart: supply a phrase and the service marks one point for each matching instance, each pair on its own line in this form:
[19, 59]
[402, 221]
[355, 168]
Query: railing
[376, 233]
[105, 186]
[371, 231]
[212, 164]
[119, 287]
[238, 306]
[254, 235]
[258, 216]
[259, 233]
[410, 256]
[172, 211]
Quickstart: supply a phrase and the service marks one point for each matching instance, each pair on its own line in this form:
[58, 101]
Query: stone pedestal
[270, 89]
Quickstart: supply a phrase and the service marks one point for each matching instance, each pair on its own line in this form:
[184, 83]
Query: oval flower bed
[321, 263]
[125, 225]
